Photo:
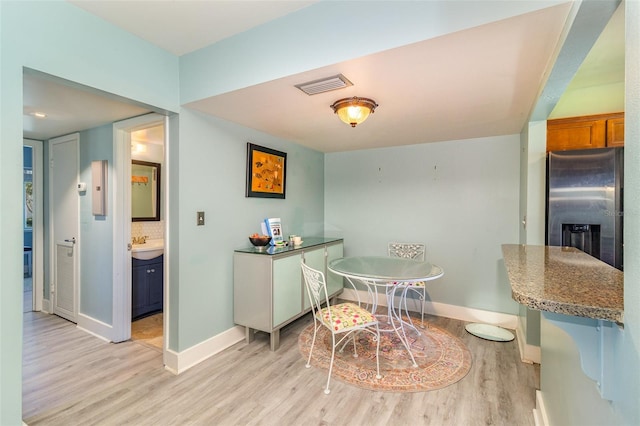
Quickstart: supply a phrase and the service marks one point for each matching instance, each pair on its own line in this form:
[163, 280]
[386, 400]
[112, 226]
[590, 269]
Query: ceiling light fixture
[354, 111]
[39, 114]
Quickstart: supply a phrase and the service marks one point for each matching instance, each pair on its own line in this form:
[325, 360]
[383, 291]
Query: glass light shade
[354, 111]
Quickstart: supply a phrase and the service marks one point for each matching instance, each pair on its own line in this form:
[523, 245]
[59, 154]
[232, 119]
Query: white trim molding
[95, 327]
[179, 362]
[539, 413]
[528, 353]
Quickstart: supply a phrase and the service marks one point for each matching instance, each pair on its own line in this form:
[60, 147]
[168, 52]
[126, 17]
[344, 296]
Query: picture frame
[266, 172]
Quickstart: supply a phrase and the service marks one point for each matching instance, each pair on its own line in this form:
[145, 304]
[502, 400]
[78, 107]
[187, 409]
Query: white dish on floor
[490, 332]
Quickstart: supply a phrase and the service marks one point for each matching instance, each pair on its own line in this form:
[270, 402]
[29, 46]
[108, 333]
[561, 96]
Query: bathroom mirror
[145, 191]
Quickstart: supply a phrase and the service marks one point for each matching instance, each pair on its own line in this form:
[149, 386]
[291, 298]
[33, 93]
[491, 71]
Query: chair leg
[333, 353]
[422, 301]
[313, 342]
[355, 352]
[378, 376]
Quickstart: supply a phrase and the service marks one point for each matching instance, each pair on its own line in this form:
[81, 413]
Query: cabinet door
[566, 134]
[334, 282]
[139, 291]
[615, 132]
[287, 289]
[155, 280]
[314, 259]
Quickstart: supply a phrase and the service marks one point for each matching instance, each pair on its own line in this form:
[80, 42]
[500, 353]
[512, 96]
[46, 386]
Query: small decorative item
[266, 172]
[260, 241]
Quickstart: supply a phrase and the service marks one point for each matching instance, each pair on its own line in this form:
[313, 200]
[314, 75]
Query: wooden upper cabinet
[594, 131]
[615, 132]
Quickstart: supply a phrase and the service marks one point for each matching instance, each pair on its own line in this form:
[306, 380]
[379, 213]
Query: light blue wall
[321, 34]
[57, 38]
[568, 395]
[96, 232]
[211, 172]
[629, 353]
[460, 198]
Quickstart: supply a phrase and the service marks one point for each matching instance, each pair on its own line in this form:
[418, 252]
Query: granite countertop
[564, 280]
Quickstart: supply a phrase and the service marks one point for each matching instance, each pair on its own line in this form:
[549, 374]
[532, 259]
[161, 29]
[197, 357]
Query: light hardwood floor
[73, 378]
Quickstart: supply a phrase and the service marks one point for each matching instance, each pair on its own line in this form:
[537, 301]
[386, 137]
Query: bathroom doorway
[139, 245]
[147, 226]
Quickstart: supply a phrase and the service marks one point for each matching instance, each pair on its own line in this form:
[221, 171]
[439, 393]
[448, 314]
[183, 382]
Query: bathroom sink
[148, 250]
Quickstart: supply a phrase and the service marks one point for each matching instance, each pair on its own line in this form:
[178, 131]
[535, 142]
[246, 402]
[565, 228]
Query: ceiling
[467, 84]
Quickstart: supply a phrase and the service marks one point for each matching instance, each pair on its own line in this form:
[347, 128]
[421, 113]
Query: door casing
[122, 223]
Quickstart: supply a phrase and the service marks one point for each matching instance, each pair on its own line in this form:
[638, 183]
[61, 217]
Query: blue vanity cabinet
[147, 277]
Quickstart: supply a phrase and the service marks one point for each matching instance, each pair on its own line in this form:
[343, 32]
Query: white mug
[297, 240]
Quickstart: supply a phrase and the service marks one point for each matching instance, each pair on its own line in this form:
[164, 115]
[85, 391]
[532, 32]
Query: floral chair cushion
[345, 316]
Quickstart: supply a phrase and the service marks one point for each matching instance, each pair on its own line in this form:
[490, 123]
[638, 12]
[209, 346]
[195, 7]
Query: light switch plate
[200, 219]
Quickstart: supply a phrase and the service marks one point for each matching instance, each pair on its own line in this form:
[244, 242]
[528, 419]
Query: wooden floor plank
[72, 378]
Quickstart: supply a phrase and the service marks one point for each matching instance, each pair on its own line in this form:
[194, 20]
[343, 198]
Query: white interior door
[64, 214]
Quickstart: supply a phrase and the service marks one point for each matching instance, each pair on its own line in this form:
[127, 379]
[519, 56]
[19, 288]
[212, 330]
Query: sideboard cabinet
[268, 287]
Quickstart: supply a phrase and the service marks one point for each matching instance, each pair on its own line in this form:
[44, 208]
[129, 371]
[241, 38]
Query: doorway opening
[32, 225]
[140, 255]
[147, 229]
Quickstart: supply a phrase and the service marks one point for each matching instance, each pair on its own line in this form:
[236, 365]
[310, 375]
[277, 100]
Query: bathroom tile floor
[148, 331]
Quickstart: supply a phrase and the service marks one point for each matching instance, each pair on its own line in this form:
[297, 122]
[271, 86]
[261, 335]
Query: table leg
[403, 299]
[396, 315]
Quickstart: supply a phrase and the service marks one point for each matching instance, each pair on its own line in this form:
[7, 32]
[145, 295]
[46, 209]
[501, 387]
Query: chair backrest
[316, 287]
[407, 250]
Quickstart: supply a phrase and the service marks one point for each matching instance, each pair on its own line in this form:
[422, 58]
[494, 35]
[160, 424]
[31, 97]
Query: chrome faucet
[140, 240]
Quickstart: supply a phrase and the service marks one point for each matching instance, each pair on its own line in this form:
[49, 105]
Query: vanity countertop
[564, 280]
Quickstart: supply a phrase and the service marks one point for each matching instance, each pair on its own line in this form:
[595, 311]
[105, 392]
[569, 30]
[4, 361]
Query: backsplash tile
[153, 230]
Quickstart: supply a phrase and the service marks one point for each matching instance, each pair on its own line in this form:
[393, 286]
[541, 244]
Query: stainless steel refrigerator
[585, 202]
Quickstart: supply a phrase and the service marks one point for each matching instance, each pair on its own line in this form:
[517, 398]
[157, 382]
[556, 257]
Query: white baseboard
[528, 353]
[179, 362]
[539, 413]
[96, 328]
[461, 313]
[46, 306]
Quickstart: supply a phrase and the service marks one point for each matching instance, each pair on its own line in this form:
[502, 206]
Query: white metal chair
[414, 251]
[345, 319]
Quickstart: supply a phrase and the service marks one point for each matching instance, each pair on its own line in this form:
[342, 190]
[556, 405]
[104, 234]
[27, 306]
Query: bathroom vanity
[146, 286]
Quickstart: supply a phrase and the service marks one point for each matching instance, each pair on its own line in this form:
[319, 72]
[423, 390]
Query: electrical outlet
[200, 220]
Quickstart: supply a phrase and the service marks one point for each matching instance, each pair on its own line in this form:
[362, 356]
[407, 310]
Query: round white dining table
[393, 274]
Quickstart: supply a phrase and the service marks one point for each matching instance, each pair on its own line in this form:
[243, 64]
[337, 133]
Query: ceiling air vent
[325, 85]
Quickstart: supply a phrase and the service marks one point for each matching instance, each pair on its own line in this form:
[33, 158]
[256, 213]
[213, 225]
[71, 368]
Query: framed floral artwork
[266, 172]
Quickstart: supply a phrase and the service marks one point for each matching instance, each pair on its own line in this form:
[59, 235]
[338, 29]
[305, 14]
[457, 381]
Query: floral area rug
[441, 357]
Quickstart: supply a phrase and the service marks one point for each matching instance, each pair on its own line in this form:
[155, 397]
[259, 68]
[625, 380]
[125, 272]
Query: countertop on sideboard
[564, 280]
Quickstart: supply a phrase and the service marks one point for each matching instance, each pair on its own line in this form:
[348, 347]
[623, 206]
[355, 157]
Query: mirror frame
[157, 215]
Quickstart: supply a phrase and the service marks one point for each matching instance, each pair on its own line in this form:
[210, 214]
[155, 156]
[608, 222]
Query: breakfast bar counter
[564, 280]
